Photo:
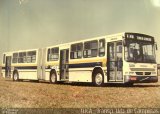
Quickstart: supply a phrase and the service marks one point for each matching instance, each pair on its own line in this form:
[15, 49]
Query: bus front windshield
[140, 52]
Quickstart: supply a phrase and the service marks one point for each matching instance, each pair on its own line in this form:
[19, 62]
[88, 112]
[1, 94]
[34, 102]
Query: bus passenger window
[79, 53]
[75, 55]
[53, 54]
[101, 47]
[76, 51]
[15, 58]
[90, 49]
[31, 57]
[22, 57]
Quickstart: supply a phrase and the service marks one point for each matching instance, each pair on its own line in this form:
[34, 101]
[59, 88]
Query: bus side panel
[28, 74]
[47, 74]
[80, 76]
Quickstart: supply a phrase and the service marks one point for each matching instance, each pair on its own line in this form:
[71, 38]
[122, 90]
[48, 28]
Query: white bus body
[119, 58]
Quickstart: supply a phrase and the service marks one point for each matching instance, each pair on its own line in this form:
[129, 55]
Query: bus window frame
[22, 58]
[31, 56]
[50, 53]
[17, 56]
[76, 50]
[90, 49]
[103, 47]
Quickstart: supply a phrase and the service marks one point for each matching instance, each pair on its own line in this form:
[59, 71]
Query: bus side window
[90, 49]
[53, 54]
[31, 57]
[76, 51]
[101, 47]
[15, 58]
[22, 57]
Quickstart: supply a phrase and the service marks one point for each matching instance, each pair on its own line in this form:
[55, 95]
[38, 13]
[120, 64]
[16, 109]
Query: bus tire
[15, 76]
[53, 78]
[98, 78]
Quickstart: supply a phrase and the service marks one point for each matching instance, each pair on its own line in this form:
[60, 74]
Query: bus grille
[147, 73]
[143, 73]
[139, 73]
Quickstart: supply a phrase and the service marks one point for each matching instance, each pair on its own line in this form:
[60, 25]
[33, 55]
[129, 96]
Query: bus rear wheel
[98, 78]
[53, 78]
[15, 76]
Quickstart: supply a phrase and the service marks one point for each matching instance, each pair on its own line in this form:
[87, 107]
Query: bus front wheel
[98, 78]
[53, 78]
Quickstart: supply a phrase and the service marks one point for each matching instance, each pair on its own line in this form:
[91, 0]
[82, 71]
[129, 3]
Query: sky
[27, 24]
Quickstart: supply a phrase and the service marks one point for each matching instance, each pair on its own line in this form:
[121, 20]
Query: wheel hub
[99, 79]
[15, 77]
[53, 77]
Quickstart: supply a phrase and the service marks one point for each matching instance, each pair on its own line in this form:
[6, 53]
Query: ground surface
[44, 95]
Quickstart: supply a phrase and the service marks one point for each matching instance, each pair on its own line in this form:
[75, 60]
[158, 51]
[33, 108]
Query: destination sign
[139, 37]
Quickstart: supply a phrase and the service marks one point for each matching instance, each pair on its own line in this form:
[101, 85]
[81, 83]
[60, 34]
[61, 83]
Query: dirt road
[44, 95]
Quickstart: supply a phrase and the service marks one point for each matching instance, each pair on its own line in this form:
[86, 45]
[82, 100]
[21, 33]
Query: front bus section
[139, 64]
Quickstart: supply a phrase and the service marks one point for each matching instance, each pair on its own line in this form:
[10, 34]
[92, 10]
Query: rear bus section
[6, 64]
[24, 65]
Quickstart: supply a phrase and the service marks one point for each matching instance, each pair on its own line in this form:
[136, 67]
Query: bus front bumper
[141, 79]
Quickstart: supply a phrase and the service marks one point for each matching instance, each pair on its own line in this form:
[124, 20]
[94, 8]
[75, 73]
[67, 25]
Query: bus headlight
[153, 72]
[127, 78]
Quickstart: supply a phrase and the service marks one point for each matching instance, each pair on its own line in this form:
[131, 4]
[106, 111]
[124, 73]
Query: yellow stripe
[103, 60]
[52, 63]
[23, 64]
[76, 61]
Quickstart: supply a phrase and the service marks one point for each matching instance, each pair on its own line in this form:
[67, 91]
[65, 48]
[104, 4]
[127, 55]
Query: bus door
[114, 63]
[8, 66]
[64, 66]
[41, 64]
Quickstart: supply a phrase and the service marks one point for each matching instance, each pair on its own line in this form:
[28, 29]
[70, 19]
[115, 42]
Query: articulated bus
[126, 58]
